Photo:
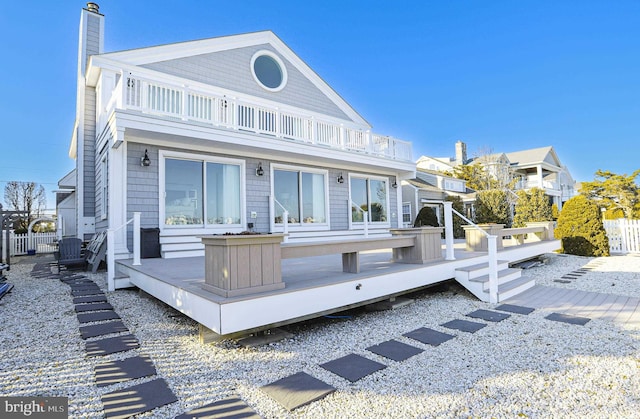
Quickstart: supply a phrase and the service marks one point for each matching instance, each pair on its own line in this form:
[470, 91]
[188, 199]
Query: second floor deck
[206, 105]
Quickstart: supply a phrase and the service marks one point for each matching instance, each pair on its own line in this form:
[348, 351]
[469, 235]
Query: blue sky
[499, 75]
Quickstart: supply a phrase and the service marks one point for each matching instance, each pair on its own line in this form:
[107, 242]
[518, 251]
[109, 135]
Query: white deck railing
[111, 265]
[247, 114]
[492, 247]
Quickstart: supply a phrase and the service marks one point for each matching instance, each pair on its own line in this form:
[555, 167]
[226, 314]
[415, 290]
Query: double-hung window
[371, 195]
[302, 192]
[202, 192]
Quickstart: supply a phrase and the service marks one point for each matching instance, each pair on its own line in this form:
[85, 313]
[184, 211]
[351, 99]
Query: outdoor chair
[70, 253]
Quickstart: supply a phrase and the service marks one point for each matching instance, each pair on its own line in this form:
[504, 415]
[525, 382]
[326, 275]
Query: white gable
[226, 62]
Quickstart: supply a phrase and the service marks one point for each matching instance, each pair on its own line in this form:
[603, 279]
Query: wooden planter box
[477, 242]
[242, 264]
[428, 247]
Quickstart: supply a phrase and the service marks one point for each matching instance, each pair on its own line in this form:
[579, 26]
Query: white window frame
[278, 60]
[372, 224]
[199, 228]
[407, 205]
[104, 188]
[299, 226]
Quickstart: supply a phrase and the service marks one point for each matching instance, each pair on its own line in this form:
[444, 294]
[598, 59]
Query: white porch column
[399, 221]
[539, 173]
[117, 194]
[448, 230]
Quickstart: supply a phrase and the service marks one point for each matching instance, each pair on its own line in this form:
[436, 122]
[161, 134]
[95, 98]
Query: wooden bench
[350, 249]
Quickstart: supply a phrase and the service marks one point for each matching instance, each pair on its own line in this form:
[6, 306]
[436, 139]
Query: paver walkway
[618, 309]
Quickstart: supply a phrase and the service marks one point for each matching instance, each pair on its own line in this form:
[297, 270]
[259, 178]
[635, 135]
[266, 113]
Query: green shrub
[492, 207]
[555, 213]
[613, 214]
[580, 228]
[458, 205]
[426, 217]
[532, 206]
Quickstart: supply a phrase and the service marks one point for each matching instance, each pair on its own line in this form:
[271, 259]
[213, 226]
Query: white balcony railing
[222, 111]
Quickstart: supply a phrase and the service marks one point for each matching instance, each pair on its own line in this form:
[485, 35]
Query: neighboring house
[444, 164]
[222, 135]
[533, 168]
[66, 205]
[430, 187]
[541, 168]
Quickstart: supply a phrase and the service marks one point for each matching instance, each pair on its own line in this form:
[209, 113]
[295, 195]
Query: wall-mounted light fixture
[259, 170]
[145, 161]
[340, 179]
[394, 184]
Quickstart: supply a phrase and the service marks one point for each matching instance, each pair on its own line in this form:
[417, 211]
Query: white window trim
[408, 204]
[278, 228]
[199, 228]
[104, 204]
[372, 224]
[280, 63]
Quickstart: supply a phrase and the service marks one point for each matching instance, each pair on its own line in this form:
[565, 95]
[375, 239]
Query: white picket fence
[623, 234]
[20, 244]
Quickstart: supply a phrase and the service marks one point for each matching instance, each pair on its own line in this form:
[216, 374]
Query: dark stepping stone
[568, 277]
[231, 408]
[97, 317]
[395, 350]
[515, 309]
[353, 367]
[90, 299]
[429, 336]
[567, 318]
[71, 278]
[137, 399]
[102, 329]
[93, 307]
[84, 287]
[488, 315]
[82, 293]
[119, 371]
[111, 345]
[562, 281]
[464, 325]
[297, 390]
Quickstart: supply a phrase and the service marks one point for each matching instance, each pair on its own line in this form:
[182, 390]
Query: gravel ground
[525, 366]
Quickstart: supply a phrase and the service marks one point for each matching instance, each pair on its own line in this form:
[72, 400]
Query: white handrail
[250, 113]
[285, 220]
[111, 264]
[365, 218]
[492, 247]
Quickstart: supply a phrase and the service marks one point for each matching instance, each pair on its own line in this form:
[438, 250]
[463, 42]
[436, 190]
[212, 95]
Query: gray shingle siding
[142, 184]
[338, 201]
[258, 190]
[143, 190]
[93, 35]
[231, 70]
[89, 157]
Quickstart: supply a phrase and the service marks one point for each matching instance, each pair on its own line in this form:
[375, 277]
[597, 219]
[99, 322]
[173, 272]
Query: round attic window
[268, 71]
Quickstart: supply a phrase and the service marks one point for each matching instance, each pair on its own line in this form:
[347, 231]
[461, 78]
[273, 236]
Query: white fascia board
[137, 57]
[160, 131]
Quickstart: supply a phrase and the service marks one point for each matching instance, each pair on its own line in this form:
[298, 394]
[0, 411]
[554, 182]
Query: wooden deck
[619, 309]
[313, 286]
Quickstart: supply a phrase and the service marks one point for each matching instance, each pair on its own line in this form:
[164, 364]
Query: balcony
[250, 114]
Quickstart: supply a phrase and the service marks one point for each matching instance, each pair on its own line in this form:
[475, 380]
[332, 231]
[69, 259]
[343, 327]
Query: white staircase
[475, 278]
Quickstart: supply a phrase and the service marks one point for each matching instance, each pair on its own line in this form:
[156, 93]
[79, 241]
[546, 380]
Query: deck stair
[475, 278]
